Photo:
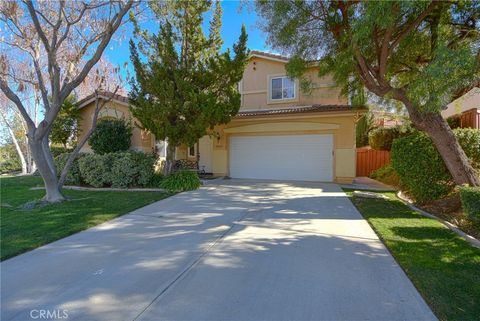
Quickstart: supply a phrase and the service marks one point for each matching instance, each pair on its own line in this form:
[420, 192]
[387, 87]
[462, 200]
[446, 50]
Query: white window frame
[270, 85]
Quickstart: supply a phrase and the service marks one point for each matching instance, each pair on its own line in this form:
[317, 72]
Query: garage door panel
[289, 157]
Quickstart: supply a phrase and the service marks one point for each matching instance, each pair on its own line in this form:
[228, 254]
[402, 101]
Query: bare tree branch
[14, 98]
[74, 154]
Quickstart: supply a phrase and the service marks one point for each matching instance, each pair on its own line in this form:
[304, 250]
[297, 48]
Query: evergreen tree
[186, 86]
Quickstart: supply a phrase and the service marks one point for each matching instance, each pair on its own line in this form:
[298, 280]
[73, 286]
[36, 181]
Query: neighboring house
[279, 133]
[467, 108]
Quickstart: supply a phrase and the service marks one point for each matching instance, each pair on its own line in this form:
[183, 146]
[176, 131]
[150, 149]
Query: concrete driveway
[232, 250]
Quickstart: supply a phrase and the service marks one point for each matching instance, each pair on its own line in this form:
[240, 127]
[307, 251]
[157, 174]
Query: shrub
[73, 177]
[381, 138]
[420, 167]
[181, 181]
[469, 139]
[56, 151]
[454, 121]
[387, 175]
[145, 168]
[9, 160]
[112, 135]
[470, 197]
[10, 165]
[95, 169]
[123, 170]
[156, 180]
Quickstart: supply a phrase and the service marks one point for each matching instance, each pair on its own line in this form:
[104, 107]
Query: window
[192, 151]
[282, 88]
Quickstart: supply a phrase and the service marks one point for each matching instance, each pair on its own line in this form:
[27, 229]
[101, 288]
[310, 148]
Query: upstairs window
[192, 151]
[282, 88]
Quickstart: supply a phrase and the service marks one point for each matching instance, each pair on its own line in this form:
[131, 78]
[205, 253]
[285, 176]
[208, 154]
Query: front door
[205, 150]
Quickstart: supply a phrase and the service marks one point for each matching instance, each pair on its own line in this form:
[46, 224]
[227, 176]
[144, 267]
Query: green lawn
[23, 230]
[443, 267]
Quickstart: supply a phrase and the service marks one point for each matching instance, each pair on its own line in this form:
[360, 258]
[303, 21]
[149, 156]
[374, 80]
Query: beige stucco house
[280, 132]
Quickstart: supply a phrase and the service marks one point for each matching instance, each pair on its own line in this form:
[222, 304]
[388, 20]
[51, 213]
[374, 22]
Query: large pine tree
[185, 86]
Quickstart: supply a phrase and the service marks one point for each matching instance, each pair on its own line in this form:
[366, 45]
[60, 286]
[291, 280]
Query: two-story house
[279, 133]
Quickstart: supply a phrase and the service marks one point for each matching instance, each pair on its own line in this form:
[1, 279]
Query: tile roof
[103, 94]
[297, 110]
[269, 55]
[246, 113]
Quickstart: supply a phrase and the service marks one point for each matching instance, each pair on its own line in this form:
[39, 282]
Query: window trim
[281, 100]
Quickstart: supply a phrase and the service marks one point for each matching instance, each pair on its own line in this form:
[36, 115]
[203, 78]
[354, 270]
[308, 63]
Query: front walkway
[233, 250]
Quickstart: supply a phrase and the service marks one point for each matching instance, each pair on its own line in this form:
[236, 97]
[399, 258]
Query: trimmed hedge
[94, 170]
[470, 197]
[420, 167]
[181, 181]
[73, 176]
[122, 170]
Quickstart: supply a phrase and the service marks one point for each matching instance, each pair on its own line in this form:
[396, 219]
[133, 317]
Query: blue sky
[235, 13]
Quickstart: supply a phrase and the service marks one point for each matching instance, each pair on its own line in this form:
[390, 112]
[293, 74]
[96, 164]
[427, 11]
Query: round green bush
[111, 135]
[420, 167]
[73, 177]
[181, 181]
[95, 169]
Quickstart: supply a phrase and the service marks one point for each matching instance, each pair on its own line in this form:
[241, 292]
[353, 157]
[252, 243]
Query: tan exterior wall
[468, 101]
[342, 126]
[141, 140]
[255, 87]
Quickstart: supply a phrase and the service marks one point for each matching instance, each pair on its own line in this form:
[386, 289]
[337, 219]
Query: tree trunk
[19, 151]
[170, 159]
[449, 148]
[40, 150]
[444, 140]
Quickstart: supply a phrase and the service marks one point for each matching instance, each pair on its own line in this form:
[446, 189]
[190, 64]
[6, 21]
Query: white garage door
[289, 157]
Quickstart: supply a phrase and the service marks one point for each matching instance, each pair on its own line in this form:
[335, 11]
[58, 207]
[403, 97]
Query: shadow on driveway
[232, 250]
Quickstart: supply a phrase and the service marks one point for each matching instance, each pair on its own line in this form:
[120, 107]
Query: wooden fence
[369, 160]
[470, 118]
